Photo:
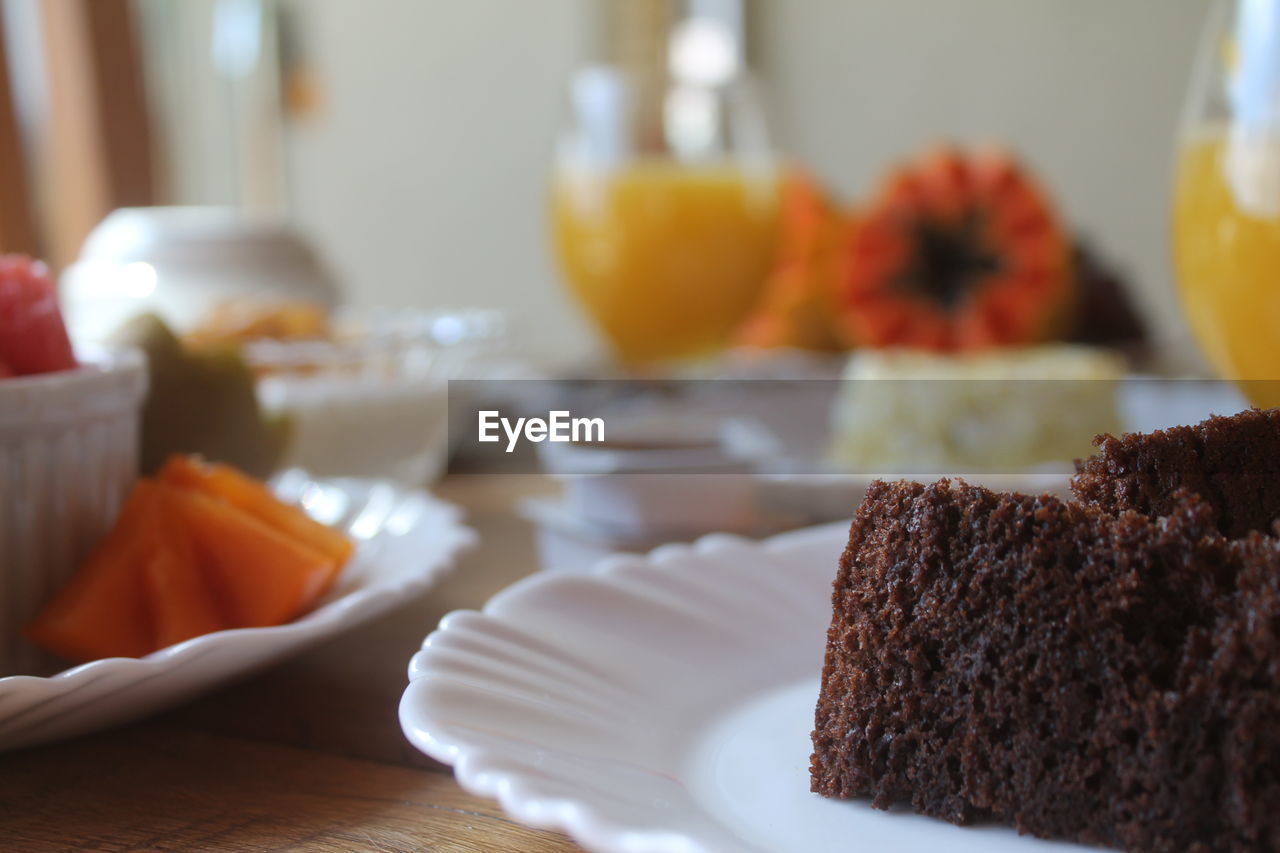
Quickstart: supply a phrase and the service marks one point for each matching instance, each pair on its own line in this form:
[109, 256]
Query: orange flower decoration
[958, 250]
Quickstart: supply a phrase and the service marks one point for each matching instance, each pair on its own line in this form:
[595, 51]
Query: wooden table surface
[306, 756]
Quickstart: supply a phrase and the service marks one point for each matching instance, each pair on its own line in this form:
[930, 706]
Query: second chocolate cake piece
[1107, 679]
[1232, 463]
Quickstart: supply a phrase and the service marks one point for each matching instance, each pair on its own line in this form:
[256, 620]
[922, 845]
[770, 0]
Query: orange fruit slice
[258, 575]
[205, 549]
[102, 611]
[253, 497]
[181, 601]
[797, 303]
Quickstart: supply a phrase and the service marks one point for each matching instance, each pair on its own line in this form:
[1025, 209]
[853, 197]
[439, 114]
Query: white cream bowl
[68, 456]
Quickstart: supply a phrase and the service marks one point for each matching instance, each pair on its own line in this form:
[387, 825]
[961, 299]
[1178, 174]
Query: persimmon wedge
[179, 596]
[102, 611]
[251, 496]
[202, 549]
[259, 575]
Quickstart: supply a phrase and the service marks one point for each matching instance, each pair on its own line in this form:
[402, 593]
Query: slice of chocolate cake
[1232, 463]
[1107, 679]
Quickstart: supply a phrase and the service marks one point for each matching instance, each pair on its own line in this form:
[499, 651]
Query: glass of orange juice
[1226, 211]
[664, 206]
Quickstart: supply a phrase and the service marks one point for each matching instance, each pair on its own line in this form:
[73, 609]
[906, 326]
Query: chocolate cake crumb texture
[1232, 463]
[1079, 670]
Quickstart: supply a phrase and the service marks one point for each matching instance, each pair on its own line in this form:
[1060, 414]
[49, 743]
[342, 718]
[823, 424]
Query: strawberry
[33, 338]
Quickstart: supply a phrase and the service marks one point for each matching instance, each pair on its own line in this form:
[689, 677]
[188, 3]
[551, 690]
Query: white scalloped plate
[406, 541]
[663, 703]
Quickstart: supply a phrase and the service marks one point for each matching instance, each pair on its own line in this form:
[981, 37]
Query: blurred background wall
[422, 165]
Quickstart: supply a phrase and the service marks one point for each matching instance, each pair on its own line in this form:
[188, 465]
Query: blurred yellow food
[1003, 410]
[239, 320]
[666, 259]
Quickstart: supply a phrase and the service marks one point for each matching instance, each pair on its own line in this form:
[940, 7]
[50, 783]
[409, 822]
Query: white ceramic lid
[190, 234]
[181, 262]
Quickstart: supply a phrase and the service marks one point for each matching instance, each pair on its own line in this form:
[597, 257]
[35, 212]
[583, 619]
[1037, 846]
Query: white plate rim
[479, 771]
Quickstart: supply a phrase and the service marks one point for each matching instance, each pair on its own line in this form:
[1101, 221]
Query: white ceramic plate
[406, 541]
[662, 704]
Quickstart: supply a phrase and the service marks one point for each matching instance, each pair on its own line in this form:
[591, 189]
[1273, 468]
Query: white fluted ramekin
[68, 456]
